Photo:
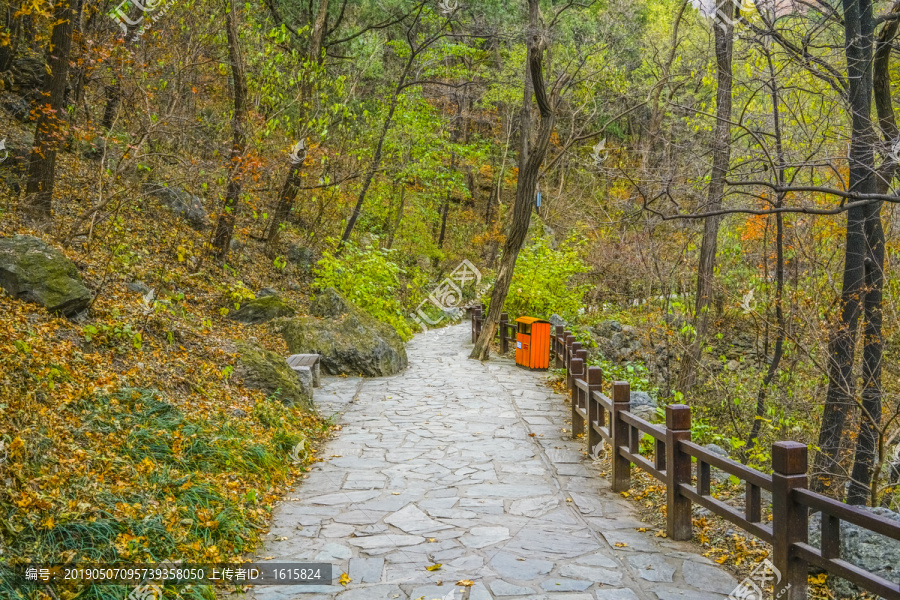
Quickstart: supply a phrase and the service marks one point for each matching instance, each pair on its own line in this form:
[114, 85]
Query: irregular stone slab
[334, 553]
[534, 507]
[619, 594]
[366, 570]
[545, 542]
[502, 490]
[412, 520]
[510, 566]
[503, 588]
[34, 271]
[479, 537]
[388, 540]
[370, 593]
[707, 577]
[596, 574]
[652, 567]
[566, 585]
[343, 498]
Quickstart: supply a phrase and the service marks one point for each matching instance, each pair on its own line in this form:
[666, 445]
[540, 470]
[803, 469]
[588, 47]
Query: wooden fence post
[678, 471]
[577, 372]
[504, 341]
[573, 354]
[621, 466]
[557, 350]
[567, 349]
[595, 412]
[790, 520]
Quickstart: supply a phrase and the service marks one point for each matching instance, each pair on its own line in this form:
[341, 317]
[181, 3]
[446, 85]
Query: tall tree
[859, 33]
[48, 134]
[231, 205]
[529, 170]
[723, 29]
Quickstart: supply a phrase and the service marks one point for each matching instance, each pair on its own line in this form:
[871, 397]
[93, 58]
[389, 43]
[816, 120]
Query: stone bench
[302, 363]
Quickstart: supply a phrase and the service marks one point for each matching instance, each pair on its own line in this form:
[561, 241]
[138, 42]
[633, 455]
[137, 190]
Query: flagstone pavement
[469, 465]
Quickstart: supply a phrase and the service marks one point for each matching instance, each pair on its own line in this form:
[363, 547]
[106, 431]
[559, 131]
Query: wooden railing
[599, 417]
[506, 331]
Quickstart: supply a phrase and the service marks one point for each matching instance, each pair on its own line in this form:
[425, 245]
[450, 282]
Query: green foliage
[370, 278]
[545, 281]
[113, 335]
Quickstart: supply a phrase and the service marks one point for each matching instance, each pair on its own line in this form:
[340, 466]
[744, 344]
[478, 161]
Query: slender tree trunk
[724, 37]
[286, 198]
[446, 209]
[863, 479]
[318, 33]
[858, 41]
[396, 224]
[48, 134]
[525, 186]
[779, 265]
[231, 205]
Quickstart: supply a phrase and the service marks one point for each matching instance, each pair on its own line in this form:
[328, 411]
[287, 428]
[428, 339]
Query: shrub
[370, 278]
[545, 281]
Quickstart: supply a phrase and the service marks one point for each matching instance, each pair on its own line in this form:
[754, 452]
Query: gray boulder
[17, 106]
[264, 370]
[185, 205]
[33, 271]
[556, 321]
[301, 257]
[260, 310]
[867, 549]
[351, 341]
[642, 399]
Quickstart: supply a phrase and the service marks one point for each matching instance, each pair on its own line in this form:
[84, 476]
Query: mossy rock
[264, 370]
[34, 271]
[260, 310]
[350, 341]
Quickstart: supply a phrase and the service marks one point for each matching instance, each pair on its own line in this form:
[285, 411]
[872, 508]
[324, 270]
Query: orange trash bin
[533, 343]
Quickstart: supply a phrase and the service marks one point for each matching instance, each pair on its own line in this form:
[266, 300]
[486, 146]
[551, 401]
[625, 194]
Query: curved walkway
[469, 465]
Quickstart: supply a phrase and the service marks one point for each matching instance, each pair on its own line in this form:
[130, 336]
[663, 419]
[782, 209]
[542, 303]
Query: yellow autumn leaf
[621, 544]
[465, 582]
[344, 579]
[434, 567]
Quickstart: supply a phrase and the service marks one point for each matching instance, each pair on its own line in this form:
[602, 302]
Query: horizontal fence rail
[685, 468]
[506, 331]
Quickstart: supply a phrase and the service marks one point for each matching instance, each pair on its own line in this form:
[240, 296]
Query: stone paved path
[469, 465]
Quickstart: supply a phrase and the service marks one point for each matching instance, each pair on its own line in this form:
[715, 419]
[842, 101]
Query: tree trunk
[231, 205]
[779, 266]
[318, 33]
[396, 225]
[724, 38]
[286, 197]
[858, 42]
[48, 133]
[525, 186]
[446, 209]
[863, 482]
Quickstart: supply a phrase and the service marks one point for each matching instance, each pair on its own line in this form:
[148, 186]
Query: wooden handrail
[685, 468]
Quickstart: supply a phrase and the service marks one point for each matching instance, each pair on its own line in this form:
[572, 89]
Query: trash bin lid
[530, 320]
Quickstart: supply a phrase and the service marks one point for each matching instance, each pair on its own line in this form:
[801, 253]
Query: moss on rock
[260, 310]
[350, 341]
[267, 371]
[34, 271]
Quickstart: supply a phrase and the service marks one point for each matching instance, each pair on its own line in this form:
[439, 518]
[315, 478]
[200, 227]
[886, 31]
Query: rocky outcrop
[260, 310]
[301, 257]
[34, 271]
[867, 549]
[264, 370]
[185, 205]
[350, 341]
